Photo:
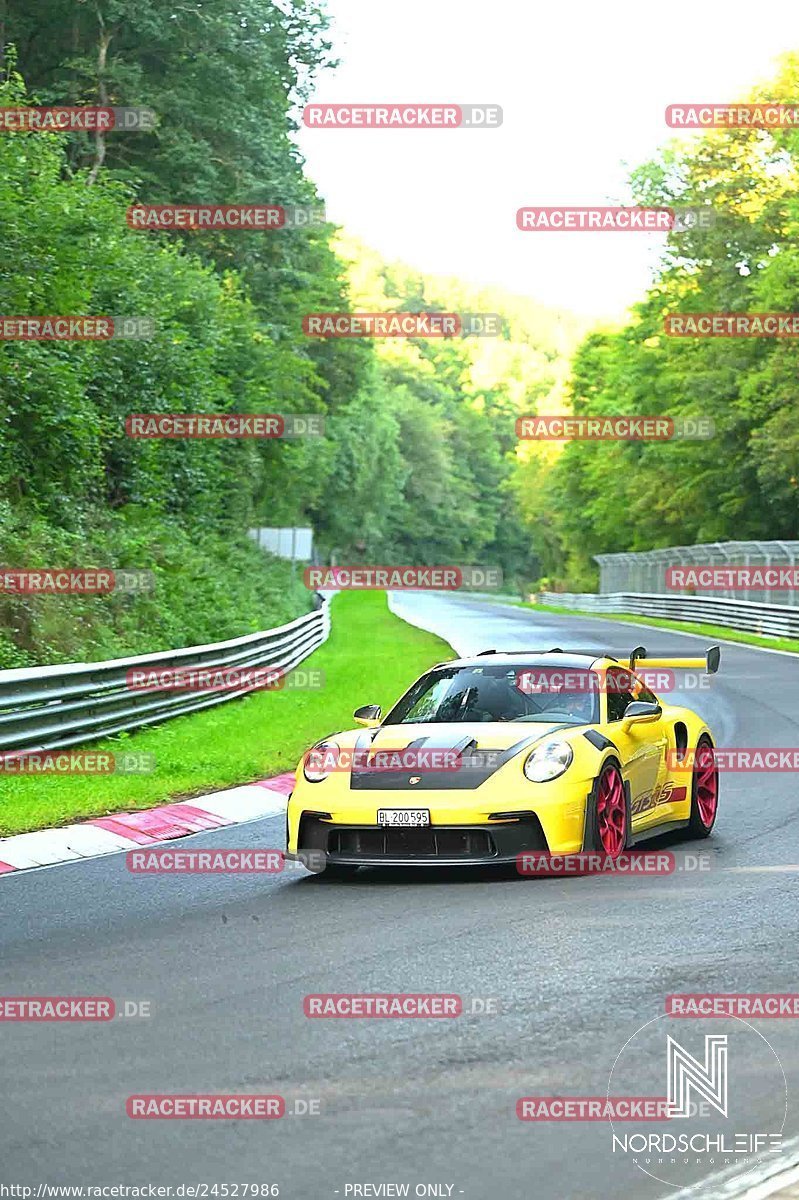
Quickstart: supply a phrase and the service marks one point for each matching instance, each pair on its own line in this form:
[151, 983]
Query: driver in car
[578, 703]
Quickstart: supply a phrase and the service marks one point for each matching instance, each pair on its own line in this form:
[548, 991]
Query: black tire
[698, 826]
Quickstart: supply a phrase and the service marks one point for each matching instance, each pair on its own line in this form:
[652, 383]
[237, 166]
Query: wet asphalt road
[574, 967]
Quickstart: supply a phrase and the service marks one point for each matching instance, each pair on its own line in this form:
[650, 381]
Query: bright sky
[583, 86]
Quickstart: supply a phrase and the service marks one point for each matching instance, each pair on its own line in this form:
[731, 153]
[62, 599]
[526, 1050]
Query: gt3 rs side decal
[665, 793]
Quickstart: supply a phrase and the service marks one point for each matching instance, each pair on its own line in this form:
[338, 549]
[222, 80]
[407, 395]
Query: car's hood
[439, 757]
[485, 735]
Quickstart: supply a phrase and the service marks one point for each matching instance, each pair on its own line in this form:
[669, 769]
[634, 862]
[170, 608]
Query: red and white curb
[127, 830]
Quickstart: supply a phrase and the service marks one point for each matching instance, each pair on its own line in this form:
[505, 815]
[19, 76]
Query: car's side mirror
[368, 715]
[641, 711]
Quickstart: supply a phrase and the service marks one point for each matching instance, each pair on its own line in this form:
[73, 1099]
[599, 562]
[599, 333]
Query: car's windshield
[498, 693]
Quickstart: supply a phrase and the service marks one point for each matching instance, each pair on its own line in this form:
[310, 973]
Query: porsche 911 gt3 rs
[485, 758]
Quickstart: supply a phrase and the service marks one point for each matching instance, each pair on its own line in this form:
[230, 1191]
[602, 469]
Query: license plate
[408, 817]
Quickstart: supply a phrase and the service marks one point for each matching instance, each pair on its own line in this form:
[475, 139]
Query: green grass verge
[371, 657]
[709, 631]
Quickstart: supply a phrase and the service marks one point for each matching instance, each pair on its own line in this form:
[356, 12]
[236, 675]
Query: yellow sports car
[485, 758]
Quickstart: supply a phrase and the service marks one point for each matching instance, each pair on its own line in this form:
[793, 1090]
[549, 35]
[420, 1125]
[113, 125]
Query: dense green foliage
[74, 490]
[419, 462]
[425, 454]
[743, 483]
[419, 454]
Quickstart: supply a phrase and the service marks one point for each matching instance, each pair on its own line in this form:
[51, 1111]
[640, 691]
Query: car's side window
[617, 699]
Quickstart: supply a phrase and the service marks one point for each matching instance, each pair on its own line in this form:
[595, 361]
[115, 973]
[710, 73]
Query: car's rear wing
[709, 664]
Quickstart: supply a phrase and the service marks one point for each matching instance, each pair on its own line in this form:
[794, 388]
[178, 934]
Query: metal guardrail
[47, 708]
[645, 570]
[770, 620]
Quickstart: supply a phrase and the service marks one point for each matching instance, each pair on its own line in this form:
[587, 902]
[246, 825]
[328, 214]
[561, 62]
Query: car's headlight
[320, 761]
[547, 761]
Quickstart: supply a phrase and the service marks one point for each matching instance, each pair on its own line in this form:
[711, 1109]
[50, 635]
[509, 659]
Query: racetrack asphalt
[575, 966]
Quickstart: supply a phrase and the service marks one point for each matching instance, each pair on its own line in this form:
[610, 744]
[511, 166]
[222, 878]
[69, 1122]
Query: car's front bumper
[322, 841]
[492, 822]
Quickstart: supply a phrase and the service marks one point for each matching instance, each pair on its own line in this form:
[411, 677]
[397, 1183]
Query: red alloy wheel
[611, 811]
[706, 783]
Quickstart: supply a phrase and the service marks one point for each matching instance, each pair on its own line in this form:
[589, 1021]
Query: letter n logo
[708, 1080]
